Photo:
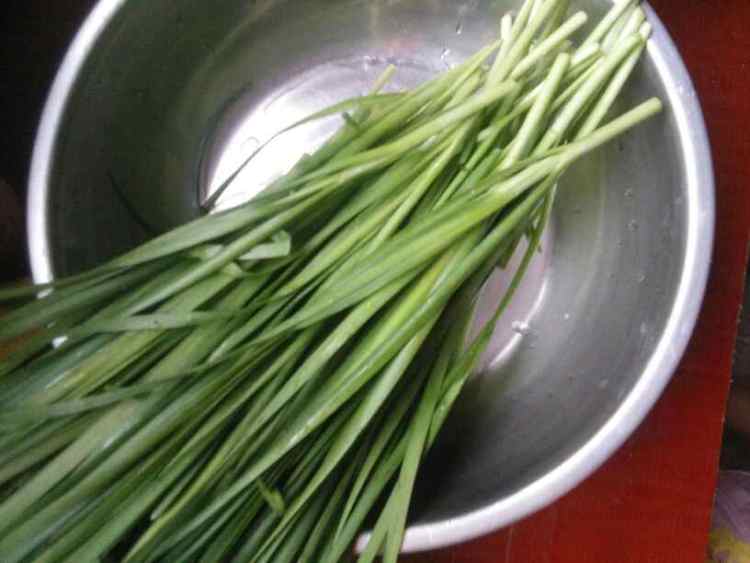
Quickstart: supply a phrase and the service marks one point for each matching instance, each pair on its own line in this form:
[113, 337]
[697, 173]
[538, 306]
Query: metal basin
[163, 98]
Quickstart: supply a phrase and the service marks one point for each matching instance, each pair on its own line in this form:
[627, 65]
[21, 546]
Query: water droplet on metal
[629, 193]
[641, 278]
[368, 62]
[250, 143]
[633, 225]
[566, 316]
[459, 28]
[521, 328]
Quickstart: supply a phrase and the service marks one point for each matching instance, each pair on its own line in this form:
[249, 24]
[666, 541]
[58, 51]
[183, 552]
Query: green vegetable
[248, 385]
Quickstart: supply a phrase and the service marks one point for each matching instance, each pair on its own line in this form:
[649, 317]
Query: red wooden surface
[652, 501]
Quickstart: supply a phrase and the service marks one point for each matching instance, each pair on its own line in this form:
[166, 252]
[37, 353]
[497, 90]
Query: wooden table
[652, 501]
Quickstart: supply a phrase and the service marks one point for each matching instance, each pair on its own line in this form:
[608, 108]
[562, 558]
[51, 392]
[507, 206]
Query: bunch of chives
[248, 386]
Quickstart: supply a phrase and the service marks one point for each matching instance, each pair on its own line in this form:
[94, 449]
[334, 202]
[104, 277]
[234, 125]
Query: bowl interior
[175, 93]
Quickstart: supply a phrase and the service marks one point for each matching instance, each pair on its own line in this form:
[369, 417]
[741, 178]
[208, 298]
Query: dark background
[34, 35]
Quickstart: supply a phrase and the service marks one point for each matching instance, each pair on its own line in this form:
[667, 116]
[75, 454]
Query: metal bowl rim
[659, 370]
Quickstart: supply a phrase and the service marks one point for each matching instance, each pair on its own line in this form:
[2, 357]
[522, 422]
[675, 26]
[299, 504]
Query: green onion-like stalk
[247, 386]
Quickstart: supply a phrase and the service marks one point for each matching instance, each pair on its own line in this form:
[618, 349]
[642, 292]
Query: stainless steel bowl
[163, 98]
